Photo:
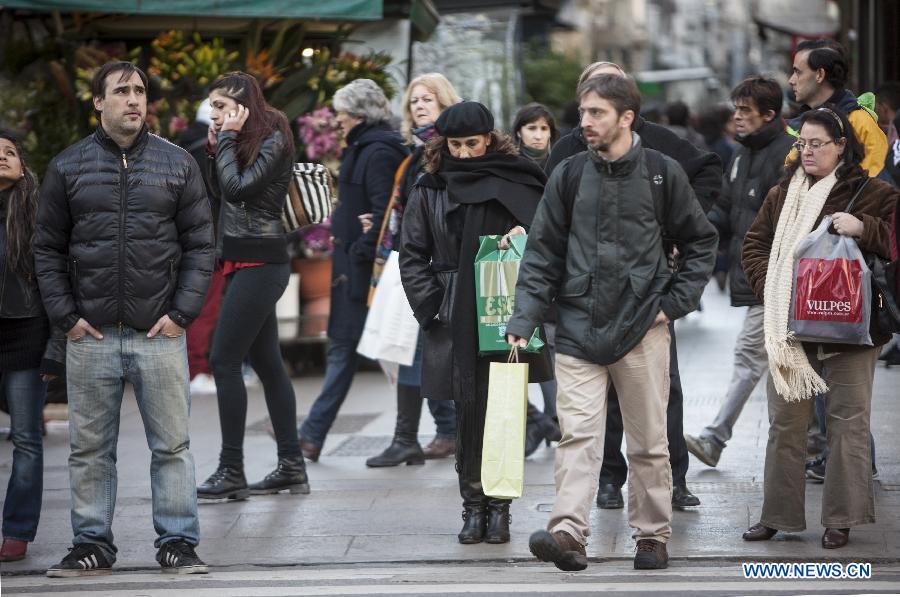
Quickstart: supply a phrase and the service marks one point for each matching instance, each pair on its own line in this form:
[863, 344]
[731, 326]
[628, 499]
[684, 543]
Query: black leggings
[248, 326]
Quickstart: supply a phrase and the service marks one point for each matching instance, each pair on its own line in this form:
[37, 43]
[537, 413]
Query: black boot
[227, 483]
[289, 475]
[498, 521]
[405, 446]
[474, 512]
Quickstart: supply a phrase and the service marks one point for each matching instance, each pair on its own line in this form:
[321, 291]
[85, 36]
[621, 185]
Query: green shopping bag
[503, 454]
[496, 274]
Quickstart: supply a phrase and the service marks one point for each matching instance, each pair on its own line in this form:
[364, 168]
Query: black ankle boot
[289, 475]
[474, 525]
[474, 511]
[227, 483]
[397, 453]
[498, 520]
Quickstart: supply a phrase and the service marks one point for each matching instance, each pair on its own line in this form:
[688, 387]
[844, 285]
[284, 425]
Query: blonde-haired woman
[425, 98]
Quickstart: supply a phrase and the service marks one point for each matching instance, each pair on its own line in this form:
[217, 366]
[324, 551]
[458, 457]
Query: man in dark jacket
[754, 169]
[704, 172]
[124, 253]
[596, 249]
[373, 154]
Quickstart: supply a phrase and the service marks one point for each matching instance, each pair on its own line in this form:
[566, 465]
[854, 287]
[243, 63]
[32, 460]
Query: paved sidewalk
[412, 514]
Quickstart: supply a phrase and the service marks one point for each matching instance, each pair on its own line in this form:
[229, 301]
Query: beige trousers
[848, 497]
[642, 380]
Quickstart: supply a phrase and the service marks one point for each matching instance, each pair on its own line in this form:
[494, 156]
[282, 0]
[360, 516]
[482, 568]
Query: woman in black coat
[253, 158]
[28, 358]
[476, 185]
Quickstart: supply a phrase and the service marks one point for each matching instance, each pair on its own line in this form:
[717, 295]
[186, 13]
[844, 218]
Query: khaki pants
[642, 380]
[848, 496]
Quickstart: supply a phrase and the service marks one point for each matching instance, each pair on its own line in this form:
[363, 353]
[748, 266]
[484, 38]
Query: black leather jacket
[252, 199]
[123, 236]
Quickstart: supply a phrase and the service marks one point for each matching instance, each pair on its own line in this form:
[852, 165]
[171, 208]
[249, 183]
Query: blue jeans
[340, 367]
[96, 374]
[25, 394]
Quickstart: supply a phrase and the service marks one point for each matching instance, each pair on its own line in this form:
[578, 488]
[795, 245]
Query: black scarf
[496, 192]
[538, 156]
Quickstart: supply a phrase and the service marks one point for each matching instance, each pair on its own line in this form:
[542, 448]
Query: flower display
[318, 131]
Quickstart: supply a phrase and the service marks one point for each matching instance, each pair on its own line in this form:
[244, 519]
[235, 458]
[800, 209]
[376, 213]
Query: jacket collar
[762, 137]
[843, 99]
[622, 166]
[106, 141]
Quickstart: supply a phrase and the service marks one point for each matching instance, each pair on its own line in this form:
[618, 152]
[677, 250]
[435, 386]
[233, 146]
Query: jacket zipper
[123, 208]
[75, 277]
[246, 215]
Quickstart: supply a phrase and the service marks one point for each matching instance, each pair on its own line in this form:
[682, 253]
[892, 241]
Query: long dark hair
[838, 127]
[263, 121]
[21, 215]
[437, 146]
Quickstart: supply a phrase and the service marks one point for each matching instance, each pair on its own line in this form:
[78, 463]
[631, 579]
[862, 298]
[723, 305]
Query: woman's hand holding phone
[235, 120]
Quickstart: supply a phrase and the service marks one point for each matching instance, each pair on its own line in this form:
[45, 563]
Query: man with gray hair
[373, 154]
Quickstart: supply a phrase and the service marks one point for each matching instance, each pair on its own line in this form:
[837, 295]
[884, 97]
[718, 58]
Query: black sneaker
[179, 557]
[84, 559]
[815, 470]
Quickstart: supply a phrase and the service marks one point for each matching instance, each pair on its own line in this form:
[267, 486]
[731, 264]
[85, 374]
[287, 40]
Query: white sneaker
[251, 379]
[203, 383]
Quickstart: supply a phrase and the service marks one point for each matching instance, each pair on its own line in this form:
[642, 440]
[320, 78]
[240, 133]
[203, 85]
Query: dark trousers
[615, 468]
[248, 327]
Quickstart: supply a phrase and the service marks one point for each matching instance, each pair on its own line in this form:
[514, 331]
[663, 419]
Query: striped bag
[310, 197]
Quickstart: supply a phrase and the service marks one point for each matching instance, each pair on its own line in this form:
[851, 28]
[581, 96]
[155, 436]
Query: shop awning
[799, 17]
[344, 10]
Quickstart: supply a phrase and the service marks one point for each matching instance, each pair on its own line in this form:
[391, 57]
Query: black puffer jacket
[754, 169]
[252, 199]
[123, 236]
[703, 168]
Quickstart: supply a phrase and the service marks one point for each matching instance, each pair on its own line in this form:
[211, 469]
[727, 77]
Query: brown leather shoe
[13, 550]
[310, 450]
[759, 532]
[440, 447]
[651, 555]
[561, 548]
[834, 538]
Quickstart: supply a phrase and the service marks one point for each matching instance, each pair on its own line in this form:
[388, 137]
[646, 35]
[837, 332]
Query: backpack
[310, 196]
[656, 167]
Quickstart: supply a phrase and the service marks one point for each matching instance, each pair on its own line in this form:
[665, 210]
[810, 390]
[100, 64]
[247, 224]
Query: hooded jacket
[703, 168]
[755, 168]
[604, 262]
[123, 236]
[865, 126]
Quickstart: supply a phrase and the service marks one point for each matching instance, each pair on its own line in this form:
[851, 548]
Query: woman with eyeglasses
[819, 183]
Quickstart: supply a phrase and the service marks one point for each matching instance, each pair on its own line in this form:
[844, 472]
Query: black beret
[464, 120]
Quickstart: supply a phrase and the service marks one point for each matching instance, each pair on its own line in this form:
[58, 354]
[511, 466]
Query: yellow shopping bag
[503, 455]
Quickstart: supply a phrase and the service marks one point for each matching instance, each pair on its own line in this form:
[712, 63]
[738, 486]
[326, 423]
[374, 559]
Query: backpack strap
[571, 182]
[656, 167]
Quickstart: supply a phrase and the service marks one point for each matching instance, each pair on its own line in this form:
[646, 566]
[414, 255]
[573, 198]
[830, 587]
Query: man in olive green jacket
[596, 248]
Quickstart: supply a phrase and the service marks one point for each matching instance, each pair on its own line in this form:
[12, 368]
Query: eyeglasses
[814, 146]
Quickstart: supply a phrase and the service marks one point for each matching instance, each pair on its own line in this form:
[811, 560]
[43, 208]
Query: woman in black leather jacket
[25, 351]
[475, 185]
[253, 149]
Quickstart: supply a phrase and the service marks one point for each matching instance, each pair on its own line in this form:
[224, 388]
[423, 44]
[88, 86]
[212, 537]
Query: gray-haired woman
[368, 164]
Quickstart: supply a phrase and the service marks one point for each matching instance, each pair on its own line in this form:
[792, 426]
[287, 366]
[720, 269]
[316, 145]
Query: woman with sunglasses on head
[821, 182]
[28, 358]
[254, 152]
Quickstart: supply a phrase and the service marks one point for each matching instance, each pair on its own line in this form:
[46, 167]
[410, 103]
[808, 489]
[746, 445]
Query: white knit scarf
[793, 376]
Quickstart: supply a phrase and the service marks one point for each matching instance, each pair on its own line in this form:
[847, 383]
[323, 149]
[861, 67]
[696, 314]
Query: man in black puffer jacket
[754, 169]
[124, 255]
[704, 172]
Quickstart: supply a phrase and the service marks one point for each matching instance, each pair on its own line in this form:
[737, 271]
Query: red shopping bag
[832, 292]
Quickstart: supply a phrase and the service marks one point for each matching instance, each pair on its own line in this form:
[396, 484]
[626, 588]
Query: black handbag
[885, 275]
